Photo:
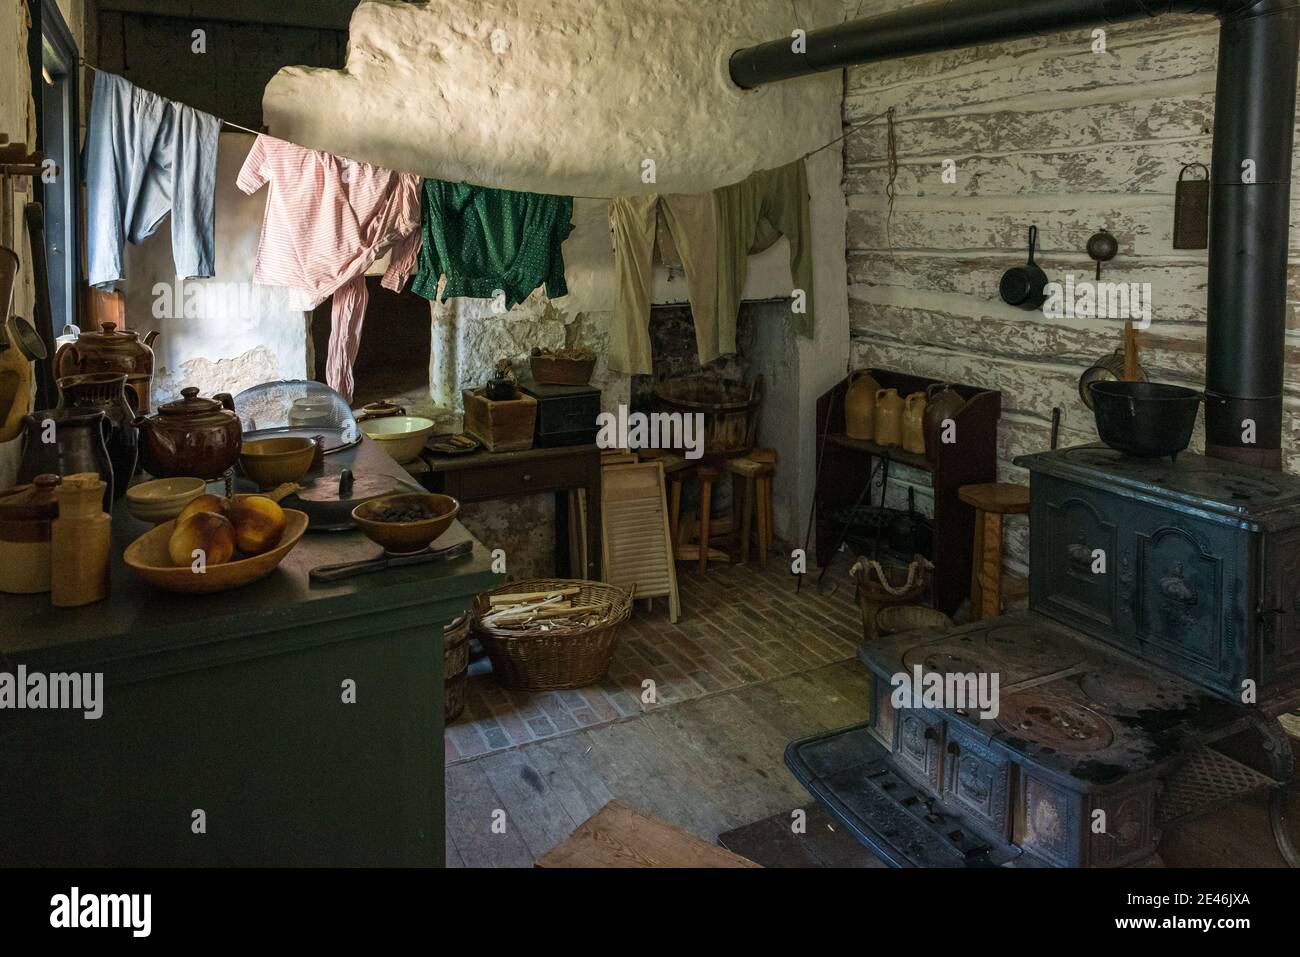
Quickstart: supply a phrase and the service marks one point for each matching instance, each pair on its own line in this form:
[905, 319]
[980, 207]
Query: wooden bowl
[148, 556]
[162, 499]
[401, 436]
[404, 537]
[272, 462]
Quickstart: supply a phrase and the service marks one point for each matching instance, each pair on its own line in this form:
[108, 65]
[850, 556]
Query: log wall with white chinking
[1050, 132]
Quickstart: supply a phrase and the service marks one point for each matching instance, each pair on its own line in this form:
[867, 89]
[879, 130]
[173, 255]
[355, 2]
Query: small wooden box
[500, 426]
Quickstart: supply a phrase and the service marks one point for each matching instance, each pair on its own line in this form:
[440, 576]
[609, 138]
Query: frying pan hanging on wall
[1025, 286]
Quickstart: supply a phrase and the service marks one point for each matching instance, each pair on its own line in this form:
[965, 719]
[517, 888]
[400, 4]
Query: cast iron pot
[1025, 286]
[1145, 419]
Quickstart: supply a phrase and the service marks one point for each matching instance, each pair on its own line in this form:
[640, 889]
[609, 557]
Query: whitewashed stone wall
[569, 97]
[1043, 131]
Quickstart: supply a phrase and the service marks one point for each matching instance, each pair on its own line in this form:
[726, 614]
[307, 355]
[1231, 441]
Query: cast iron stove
[1114, 688]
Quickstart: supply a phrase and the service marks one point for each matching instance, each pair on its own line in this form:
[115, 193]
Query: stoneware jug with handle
[889, 417]
[914, 423]
[860, 406]
[943, 402]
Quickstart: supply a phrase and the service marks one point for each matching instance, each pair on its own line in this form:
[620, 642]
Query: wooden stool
[681, 472]
[751, 482]
[991, 502]
[619, 836]
[707, 475]
[676, 471]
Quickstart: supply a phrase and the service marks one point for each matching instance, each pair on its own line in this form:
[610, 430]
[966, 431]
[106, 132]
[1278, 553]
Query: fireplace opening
[672, 344]
[393, 360]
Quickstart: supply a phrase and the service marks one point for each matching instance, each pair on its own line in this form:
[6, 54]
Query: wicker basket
[559, 370]
[455, 664]
[564, 657]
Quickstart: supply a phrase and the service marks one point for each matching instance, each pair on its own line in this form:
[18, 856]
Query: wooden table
[488, 476]
[232, 704]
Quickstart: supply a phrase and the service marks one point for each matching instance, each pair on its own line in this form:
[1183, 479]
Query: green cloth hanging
[491, 241]
[751, 216]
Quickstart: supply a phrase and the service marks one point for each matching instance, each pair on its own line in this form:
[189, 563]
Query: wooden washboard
[636, 544]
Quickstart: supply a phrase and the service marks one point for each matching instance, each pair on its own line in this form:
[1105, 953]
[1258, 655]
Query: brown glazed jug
[860, 406]
[942, 402]
[191, 437]
[109, 350]
[66, 442]
[106, 391]
[889, 417]
[914, 423]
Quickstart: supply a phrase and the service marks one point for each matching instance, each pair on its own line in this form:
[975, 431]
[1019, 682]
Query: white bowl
[401, 436]
[162, 499]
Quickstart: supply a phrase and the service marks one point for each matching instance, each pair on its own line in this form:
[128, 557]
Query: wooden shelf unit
[846, 465]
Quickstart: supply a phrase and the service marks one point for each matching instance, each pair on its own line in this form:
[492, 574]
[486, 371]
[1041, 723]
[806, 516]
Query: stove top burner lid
[1053, 722]
[1196, 479]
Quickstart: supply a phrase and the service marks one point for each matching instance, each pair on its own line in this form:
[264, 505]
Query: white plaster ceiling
[559, 96]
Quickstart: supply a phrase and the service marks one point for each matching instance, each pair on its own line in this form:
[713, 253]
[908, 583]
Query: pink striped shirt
[327, 220]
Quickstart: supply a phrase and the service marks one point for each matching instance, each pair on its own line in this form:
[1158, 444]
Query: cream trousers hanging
[692, 220]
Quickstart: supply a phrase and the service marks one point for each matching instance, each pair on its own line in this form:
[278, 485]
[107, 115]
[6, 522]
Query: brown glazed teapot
[192, 436]
[109, 350]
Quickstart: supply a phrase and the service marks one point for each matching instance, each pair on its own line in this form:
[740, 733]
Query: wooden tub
[730, 410]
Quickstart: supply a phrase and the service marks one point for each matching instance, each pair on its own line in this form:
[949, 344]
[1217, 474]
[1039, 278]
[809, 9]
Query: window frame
[58, 137]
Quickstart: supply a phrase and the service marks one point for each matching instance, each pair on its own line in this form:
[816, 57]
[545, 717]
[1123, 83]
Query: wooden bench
[619, 836]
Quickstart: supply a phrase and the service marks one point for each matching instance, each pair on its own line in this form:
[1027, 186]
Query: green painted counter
[232, 705]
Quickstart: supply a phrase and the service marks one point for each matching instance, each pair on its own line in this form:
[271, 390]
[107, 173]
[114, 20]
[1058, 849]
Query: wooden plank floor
[708, 764]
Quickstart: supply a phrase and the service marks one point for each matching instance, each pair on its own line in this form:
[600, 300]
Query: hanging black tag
[1192, 210]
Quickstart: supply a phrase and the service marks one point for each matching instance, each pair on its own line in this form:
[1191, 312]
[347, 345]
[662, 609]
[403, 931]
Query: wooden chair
[992, 503]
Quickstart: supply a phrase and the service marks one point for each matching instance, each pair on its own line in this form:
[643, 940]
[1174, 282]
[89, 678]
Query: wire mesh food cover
[297, 407]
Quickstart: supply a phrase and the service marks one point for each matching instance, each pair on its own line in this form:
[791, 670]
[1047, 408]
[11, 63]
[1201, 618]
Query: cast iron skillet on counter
[1145, 419]
[1025, 286]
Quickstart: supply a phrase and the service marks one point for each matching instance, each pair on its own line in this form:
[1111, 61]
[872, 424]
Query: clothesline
[845, 135]
[90, 66]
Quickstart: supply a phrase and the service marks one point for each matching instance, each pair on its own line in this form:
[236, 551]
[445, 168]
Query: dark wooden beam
[322, 14]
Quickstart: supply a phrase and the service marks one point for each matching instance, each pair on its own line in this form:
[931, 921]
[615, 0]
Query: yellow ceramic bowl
[402, 537]
[162, 499]
[147, 555]
[401, 436]
[272, 462]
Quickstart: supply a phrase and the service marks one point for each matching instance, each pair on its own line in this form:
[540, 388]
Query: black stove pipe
[1255, 102]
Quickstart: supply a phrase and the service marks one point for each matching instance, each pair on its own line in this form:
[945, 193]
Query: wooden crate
[500, 426]
[619, 836]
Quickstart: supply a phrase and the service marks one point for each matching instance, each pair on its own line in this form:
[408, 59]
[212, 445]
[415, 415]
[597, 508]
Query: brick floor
[738, 626]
